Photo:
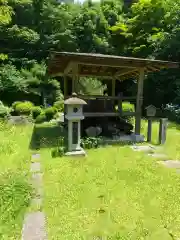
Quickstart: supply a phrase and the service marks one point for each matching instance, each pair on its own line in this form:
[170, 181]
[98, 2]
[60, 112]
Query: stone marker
[93, 131]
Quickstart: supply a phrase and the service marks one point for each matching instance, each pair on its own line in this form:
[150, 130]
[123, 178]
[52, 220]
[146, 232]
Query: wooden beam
[96, 62]
[139, 101]
[65, 86]
[124, 72]
[69, 68]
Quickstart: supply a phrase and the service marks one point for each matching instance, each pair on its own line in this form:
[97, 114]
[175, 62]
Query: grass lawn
[114, 193]
[15, 191]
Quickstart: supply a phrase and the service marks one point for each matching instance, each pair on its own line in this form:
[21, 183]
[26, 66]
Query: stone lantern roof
[74, 100]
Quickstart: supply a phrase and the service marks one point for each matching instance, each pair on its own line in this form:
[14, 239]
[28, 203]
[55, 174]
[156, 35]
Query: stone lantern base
[80, 153]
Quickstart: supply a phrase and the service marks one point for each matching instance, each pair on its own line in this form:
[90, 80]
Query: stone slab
[35, 155]
[171, 163]
[129, 138]
[158, 155]
[35, 167]
[144, 148]
[80, 153]
[36, 202]
[34, 227]
[36, 179]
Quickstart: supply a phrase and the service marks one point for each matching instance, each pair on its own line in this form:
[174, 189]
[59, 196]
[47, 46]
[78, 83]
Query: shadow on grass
[47, 136]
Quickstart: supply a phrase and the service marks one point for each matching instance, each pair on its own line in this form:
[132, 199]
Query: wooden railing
[101, 106]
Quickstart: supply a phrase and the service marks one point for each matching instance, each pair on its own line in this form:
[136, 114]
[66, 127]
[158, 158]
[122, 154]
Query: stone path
[150, 150]
[34, 222]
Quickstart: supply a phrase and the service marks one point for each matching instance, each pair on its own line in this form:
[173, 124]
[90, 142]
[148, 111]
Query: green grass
[15, 191]
[114, 193]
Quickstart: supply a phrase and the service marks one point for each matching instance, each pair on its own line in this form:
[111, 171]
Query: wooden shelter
[109, 67]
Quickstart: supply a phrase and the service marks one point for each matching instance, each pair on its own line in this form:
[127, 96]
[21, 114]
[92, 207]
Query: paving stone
[36, 155]
[39, 192]
[171, 163]
[143, 148]
[36, 179]
[158, 155]
[34, 227]
[37, 201]
[35, 167]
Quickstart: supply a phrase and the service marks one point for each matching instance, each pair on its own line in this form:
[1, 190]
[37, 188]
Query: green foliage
[58, 152]
[59, 105]
[4, 111]
[91, 86]
[36, 111]
[128, 107]
[29, 29]
[172, 112]
[24, 108]
[91, 142]
[15, 194]
[50, 112]
[41, 118]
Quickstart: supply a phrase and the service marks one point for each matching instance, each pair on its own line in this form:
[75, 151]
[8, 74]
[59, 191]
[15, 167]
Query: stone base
[129, 138]
[80, 153]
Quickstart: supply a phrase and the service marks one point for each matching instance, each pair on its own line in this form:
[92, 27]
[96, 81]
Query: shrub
[172, 112]
[23, 108]
[91, 142]
[4, 111]
[15, 104]
[41, 118]
[127, 107]
[15, 195]
[58, 152]
[36, 111]
[59, 105]
[50, 113]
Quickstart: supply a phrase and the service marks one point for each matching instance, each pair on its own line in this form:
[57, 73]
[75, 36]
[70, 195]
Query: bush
[50, 113]
[172, 112]
[15, 195]
[41, 118]
[59, 105]
[91, 142]
[15, 104]
[36, 111]
[4, 111]
[127, 107]
[23, 108]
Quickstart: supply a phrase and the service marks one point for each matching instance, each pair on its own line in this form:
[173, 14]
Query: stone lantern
[74, 115]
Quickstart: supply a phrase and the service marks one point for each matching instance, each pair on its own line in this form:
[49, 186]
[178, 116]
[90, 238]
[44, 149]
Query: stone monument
[74, 115]
[150, 112]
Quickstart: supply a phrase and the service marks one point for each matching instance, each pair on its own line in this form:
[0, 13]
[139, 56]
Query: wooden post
[113, 93]
[65, 87]
[149, 133]
[139, 101]
[162, 130]
[120, 110]
[113, 87]
[75, 78]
